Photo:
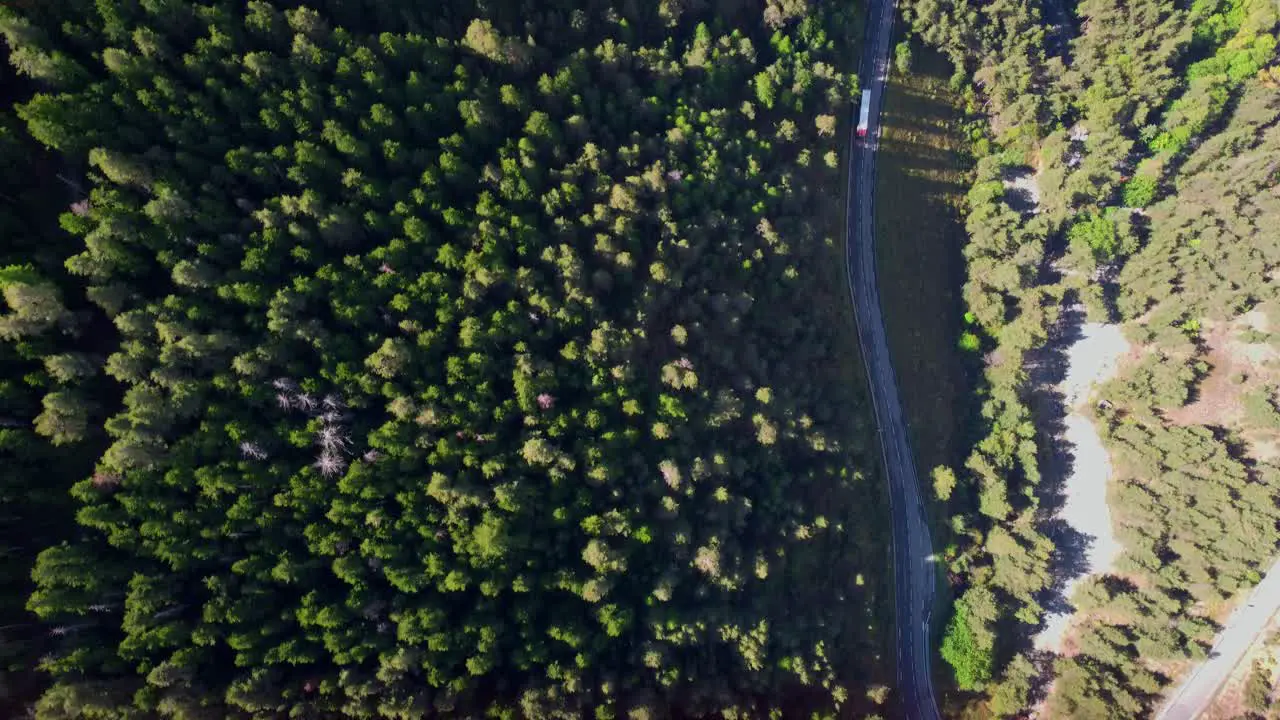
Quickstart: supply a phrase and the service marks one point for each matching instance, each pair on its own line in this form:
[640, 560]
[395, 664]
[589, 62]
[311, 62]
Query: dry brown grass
[1237, 367]
[1230, 702]
[1218, 400]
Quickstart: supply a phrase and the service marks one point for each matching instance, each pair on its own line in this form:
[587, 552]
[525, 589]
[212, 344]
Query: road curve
[912, 550]
[1246, 623]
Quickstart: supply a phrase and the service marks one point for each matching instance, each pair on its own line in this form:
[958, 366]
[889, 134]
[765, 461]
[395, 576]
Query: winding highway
[914, 573]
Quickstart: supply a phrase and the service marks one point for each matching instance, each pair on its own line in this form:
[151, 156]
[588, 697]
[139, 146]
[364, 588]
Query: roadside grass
[920, 184]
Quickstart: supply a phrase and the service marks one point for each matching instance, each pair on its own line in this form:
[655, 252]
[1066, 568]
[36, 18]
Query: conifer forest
[498, 358]
[377, 359]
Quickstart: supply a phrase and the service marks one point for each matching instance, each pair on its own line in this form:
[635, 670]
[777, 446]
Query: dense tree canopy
[47, 346]
[445, 361]
[1150, 141]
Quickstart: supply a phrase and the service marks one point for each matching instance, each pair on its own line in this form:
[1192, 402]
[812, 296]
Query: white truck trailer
[864, 113]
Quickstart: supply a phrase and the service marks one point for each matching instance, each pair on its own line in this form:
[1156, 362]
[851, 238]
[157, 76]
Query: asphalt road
[913, 570]
[1244, 626]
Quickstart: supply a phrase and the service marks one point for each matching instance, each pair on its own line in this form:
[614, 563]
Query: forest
[389, 360]
[459, 359]
[1151, 130]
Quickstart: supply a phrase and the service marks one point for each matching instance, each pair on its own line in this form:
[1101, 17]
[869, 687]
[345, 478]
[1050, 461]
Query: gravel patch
[1091, 360]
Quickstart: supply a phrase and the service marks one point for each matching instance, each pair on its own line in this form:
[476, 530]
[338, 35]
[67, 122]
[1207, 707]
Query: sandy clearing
[1220, 395]
[1022, 190]
[1091, 360]
[1257, 320]
[1263, 447]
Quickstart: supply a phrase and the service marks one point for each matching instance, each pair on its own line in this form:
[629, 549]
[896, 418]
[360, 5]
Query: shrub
[1139, 191]
[965, 650]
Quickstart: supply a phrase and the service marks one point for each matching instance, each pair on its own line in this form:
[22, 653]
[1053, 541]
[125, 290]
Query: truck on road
[864, 113]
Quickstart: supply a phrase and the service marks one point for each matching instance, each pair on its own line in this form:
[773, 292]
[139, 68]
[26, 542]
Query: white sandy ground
[1029, 183]
[1091, 360]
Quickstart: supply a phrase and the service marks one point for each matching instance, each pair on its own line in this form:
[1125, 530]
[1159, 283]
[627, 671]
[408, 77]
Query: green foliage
[1208, 243]
[1004, 255]
[15, 275]
[1012, 694]
[766, 91]
[42, 320]
[1097, 234]
[453, 364]
[902, 57]
[1260, 408]
[1139, 191]
[1257, 688]
[944, 482]
[34, 304]
[967, 647]
[1162, 380]
[1157, 99]
[1006, 41]
[1198, 518]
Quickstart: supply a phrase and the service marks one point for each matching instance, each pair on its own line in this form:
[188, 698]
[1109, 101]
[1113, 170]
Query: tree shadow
[1020, 190]
[1060, 28]
[922, 157]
